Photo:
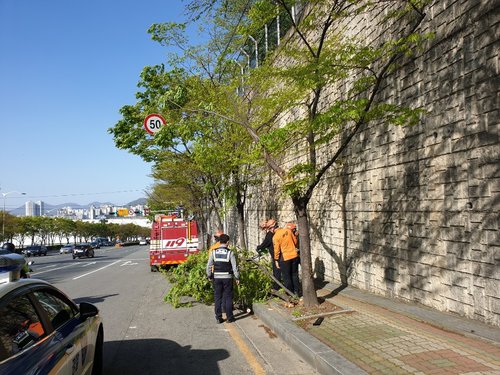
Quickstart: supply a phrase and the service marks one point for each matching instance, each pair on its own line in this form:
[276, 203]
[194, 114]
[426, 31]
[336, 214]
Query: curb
[319, 356]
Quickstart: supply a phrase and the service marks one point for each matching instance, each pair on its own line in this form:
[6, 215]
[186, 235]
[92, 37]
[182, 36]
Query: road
[145, 335]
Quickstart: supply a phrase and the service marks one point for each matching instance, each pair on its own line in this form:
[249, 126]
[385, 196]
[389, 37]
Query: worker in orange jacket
[286, 256]
[270, 226]
[216, 245]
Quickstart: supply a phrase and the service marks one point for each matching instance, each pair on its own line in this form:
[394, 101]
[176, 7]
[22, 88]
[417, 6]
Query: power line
[81, 194]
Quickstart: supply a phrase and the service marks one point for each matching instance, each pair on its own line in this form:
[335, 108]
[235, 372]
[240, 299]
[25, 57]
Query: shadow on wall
[343, 257]
[271, 202]
[421, 210]
[427, 229]
[319, 271]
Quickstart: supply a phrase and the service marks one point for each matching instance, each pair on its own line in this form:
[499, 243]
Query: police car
[42, 331]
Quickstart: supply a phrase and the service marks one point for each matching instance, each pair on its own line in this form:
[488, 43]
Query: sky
[66, 68]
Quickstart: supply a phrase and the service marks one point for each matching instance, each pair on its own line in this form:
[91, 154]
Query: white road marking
[49, 266]
[141, 259]
[54, 269]
[88, 264]
[128, 263]
[99, 269]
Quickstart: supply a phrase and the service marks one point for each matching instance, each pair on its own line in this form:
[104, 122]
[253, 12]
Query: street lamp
[3, 221]
[242, 82]
[247, 55]
[256, 51]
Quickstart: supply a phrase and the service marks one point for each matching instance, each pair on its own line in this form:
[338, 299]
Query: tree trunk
[308, 289]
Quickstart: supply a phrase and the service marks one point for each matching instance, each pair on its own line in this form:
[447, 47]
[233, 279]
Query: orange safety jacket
[213, 247]
[285, 244]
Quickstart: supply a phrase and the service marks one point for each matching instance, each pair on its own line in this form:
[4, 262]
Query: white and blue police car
[42, 331]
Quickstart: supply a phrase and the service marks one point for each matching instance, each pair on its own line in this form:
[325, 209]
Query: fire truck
[173, 239]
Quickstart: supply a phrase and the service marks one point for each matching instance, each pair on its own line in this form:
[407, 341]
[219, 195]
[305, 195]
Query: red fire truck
[173, 239]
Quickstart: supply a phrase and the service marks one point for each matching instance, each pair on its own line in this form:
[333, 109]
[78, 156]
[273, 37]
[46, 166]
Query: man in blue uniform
[224, 269]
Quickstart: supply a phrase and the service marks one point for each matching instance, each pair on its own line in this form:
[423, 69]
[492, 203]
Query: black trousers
[290, 272]
[276, 271]
[223, 297]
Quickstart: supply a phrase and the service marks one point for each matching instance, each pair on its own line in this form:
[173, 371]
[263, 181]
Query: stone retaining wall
[417, 209]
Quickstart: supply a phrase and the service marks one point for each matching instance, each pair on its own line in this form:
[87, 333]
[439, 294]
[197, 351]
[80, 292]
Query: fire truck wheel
[154, 268]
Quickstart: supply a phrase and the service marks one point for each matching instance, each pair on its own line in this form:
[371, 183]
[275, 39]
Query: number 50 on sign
[153, 123]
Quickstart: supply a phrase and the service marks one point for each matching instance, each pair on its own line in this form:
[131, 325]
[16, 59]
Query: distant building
[30, 208]
[40, 208]
[34, 209]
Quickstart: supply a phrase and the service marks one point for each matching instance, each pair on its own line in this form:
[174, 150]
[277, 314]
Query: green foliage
[189, 280]
[42, 229]
[169, 33]
[299, 177]
[254, 284]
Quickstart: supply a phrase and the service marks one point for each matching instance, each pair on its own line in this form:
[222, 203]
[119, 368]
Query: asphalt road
[145, 335]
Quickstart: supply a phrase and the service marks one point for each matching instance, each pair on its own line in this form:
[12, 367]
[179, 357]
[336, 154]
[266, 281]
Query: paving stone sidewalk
[383, 341]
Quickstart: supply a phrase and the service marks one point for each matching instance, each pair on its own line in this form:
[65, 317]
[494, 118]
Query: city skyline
[42, 208]
[17, 198]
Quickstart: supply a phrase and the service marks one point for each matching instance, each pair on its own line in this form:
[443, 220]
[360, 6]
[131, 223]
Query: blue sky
[66, 68]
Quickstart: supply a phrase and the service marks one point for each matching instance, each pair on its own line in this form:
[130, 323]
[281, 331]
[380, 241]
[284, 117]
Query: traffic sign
[153, 123]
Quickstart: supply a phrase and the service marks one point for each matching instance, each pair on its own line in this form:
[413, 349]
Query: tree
[285, 103]
[198, 158]
[101, 230]
[46, 229]
[9, 223]
[31, 226]
[321, 58]
[65, 228]
[23, 229]
[221, 150]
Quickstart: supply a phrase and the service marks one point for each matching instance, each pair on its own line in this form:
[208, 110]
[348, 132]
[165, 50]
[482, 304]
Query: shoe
[231, 320]
[219, 320]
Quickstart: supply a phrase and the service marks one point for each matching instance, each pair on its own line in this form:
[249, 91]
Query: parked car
[95, 245]
[8, 248]
[103, 241]
[143, 241]
[66, 249]
[83, 250]
[35, 250]
[42, 330]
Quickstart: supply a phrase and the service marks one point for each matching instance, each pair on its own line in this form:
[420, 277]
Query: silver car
[66, 249]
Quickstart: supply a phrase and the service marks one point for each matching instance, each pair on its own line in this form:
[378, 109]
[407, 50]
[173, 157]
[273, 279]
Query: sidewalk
[378, 335]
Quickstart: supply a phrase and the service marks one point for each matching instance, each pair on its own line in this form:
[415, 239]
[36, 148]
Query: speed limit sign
[153, 123]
